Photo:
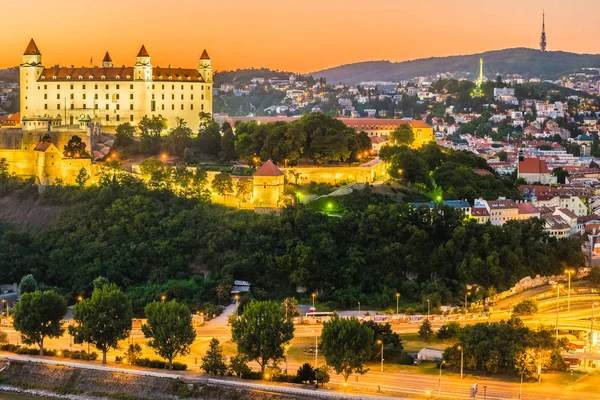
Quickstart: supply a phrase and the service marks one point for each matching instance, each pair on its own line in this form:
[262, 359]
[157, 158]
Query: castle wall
[366, 173]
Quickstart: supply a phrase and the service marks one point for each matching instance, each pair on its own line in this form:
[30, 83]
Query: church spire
[543, 40]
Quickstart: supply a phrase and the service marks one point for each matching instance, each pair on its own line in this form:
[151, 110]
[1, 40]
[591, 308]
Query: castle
[64, 96]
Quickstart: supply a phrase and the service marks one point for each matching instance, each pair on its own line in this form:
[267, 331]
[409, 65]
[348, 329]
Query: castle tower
[204, 68]
[268, 186]
[142, 70]
[30, 71]
[107, 61]
[543, 40]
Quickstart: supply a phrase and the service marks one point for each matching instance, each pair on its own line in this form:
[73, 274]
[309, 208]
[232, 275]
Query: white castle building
[110, 95]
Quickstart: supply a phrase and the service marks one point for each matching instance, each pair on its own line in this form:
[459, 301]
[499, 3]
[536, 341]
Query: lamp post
[557, 306]
[569, 272]
[466, 308]
[428, 303]
[440, 379]
[381, 343]
[313, 298]
[462, 359]
[359, 308]
[397, 298]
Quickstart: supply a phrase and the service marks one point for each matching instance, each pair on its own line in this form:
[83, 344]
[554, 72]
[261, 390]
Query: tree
[46, 138]
[150, 131]
[290, 307]
[125, 134]
[209, 139]
[306, 373]
[150, 167]
[450, 330]
[3, 337]
[502, 155]
[384, 333]
[103, 319]
[322, 374]
[82, 177]
[178, 137]
[425, 331]
[560, 174]
[243, 191]
[214, 360]
[227, 152]
[403, 135]
[594, 275]
[222, 184]
[238, 365]
[133, 353]
[205, 119]
[347, 345]
[39, 315]
[169, 329]
[261, 332]
[75, 148]
[28, 284]
[525, 307]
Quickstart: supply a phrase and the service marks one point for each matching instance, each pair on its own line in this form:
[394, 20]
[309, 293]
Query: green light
[439, 198]
[329, 206]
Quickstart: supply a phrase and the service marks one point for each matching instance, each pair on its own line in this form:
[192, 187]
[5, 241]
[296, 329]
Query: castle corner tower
[29, 71]
[143, 68]
[204, 68]
[107, 61]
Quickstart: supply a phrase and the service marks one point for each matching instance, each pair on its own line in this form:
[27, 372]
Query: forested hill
[527, 62]
[244, 76]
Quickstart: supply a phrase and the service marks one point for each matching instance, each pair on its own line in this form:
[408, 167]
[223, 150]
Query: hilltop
[523, 61]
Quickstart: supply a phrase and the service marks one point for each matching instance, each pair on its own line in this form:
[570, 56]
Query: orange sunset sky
[299, 36]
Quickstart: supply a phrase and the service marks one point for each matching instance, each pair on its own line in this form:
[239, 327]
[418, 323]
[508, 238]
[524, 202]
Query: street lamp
[7, 310]
[163, 298]
[557, 306]
[313, 297]
[397, 298]
[359, 308]
[462, 358]
[381, 343]
[440, 379]
[428, 309]
[569, 272]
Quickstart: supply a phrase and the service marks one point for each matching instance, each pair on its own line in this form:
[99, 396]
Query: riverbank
[73, 383]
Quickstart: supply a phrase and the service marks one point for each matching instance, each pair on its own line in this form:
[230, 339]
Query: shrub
[526, 307]
[159, 364]
[306, 373]
[449, 331]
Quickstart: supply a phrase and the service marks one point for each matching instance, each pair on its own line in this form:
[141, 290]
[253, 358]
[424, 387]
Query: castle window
[202, 97]
[102, 77]
[118, 118]
[107, 117]
[54, 77]
[85, 106]
[96, 96]
[107, 106]
[45, 87]
[131, 87]
[106, 87]
[118, 77]
[192, 97]
[58, 106]
[181, 87]
[107, 96]
[172, 106]
[117, 87]
[202, 107]
[72, 96]
[172, 97]
[191, 106]
[95, 106]
[84, 96]
[131, 96]
[131, 118]
[91, 77]
[131, 107]
[69, 78]
[58, 96]
[172, 87]
[182, 107]
[83, 87]
[45, 96]
[80, 77]
[45, 106]
[72, 106]
[163, 96]
[95, 87]
[118, 108]
[181, 97]
[152, 86]
[58, 87]
[163, 86]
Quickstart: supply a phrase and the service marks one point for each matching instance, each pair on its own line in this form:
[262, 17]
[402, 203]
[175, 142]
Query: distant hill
[526, 62]
[244, 76]
[9, 74]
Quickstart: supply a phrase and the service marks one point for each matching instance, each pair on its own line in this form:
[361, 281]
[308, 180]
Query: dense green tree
[169, 329]
[28, 284]
[222, 184]
[425, 330]
[227, 143]
[238, 365]
[209, 139]
[306, 373]
[449, 330]
[178, 137]
[125, 134]
[151, 129]
[82, 177]
[38, 316]
[402, 136]
[261, 332]
[103, 319]
[75, 148]
[214, 360]
[347, 345]
[290, 308]
[243, 191]
[560, 174]
[525, 307]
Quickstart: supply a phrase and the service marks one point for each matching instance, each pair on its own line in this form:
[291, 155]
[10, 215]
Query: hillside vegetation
[527, 62]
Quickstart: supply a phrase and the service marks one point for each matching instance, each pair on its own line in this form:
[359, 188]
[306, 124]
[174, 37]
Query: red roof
[32, 49]
[527, 208]
[382, 123]
[111, 74]
[482, 172]
[107, 58]
[268, 169]
[533, 166]
[480, 212]
[42, 146]
[379, 139]
[204, 55]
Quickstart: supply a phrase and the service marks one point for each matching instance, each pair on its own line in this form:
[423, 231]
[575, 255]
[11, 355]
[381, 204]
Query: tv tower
[543, 40]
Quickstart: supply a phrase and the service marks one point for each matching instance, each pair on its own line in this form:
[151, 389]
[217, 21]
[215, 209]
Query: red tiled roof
[107, 58]
[502, 204]
[42, 146]
[527, 208]
[32, 49]
[176, 74]
[533, 166]
[204, 55]
[480, 212]
[382, 123]
[111, 74]
[379, 139]
[482, 172]
[268, 169]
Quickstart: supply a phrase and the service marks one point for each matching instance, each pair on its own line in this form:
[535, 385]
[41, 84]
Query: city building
[535, 170]
[111, 95]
